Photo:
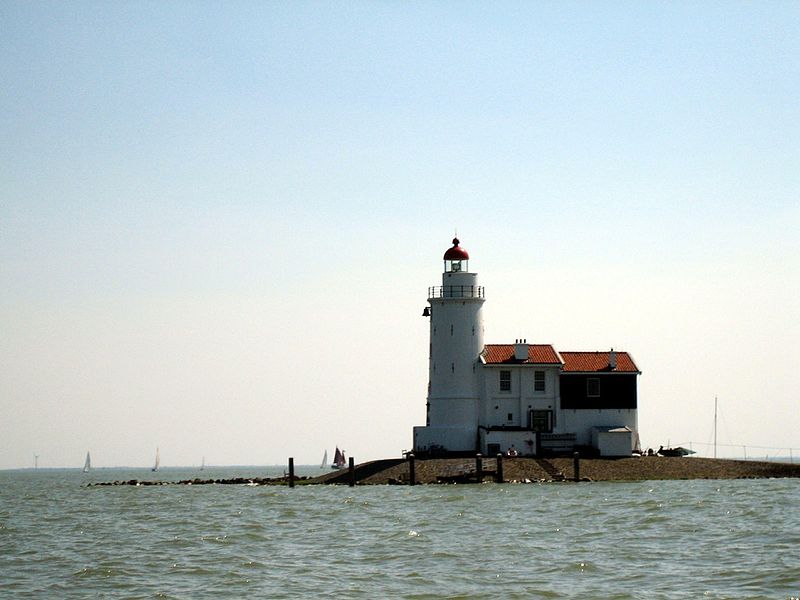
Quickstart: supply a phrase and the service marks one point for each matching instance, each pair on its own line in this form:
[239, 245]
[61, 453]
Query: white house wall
[495, 405]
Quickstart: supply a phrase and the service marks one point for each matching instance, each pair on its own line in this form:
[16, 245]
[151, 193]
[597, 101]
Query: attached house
[564, 398]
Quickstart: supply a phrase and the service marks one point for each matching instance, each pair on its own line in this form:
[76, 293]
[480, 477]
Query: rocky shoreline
[517, 470]
[527, 470]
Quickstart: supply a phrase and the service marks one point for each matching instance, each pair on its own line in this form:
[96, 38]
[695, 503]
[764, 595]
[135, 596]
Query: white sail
[87, 466]
[155, 466]
[324, 459]
[203, 463]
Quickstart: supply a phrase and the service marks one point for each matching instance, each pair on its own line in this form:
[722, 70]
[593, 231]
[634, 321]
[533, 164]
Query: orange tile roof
[538, 354]
[589, 362]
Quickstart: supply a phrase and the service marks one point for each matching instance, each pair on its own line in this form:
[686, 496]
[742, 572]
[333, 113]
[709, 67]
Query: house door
[540, 421]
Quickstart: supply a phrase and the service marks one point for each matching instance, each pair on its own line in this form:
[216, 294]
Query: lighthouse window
[505, 381]
[451, 330]
[538, 381]
[593, 387]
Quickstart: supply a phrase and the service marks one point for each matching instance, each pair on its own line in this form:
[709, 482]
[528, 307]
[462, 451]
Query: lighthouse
[456, 342]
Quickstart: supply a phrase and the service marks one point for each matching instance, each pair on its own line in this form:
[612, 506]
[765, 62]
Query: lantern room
[456, 259]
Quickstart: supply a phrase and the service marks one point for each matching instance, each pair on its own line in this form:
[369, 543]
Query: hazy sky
[218, 222]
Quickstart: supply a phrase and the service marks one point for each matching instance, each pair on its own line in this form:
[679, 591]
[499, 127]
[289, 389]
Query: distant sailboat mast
[715, 427]
[87, 465]
[324, 459]
[203, 463]
[155, 466]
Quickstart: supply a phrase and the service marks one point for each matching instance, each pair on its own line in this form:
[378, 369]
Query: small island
[514, 470]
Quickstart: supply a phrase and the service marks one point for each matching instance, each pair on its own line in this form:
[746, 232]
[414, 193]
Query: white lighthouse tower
[456, 341]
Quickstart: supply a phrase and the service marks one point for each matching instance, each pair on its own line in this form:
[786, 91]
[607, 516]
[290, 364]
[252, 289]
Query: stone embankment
[518, 469]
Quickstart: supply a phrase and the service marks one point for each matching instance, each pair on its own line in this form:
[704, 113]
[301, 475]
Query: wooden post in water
[412, 469]
[576, 466]
[352, 468]
[499, 475]
[291, 472]
[479, 467]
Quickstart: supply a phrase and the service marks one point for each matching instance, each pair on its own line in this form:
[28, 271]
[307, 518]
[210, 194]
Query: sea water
[653, 539]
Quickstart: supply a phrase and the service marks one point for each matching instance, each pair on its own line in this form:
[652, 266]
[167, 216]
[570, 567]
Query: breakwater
[510, 470]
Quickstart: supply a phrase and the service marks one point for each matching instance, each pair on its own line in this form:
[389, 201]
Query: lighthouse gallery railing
[456, 291]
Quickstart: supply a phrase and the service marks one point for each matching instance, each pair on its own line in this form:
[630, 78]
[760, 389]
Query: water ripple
[713, 539]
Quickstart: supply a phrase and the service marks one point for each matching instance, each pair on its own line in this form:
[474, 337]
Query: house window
[593, 387]
[541, 421]
[510, 417]
[505, 381]
[538, 381]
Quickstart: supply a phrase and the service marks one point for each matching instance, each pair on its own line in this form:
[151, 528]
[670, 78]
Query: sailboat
[87, 465]
[203, 464]
[155, 466]
[324, 459]
[338, 459]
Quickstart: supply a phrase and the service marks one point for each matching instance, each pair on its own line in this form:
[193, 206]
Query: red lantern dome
[456, 252]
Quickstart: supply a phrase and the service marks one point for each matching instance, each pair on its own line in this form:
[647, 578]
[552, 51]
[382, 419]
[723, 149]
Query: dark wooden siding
[616, 391]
